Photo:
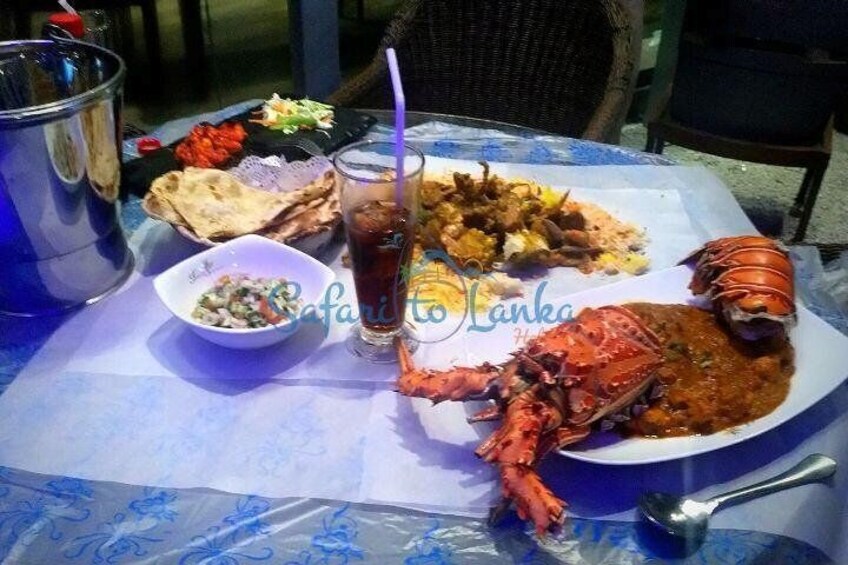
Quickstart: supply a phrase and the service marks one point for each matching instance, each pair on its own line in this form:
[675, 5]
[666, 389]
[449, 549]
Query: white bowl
[180, 286]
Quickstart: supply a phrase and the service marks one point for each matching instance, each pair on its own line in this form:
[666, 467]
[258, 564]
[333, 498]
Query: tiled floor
[767, 192]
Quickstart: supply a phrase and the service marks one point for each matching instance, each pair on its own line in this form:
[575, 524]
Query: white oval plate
[821, 361]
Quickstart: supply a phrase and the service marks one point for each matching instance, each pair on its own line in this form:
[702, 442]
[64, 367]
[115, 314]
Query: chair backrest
[559, 65]
[773, 24]
[766, 71]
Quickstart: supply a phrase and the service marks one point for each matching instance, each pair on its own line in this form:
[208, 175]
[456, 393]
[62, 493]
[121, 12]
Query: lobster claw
[459, 383]
[548, 394]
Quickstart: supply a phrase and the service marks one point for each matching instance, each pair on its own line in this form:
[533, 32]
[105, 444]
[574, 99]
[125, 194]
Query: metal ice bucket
[61, 244]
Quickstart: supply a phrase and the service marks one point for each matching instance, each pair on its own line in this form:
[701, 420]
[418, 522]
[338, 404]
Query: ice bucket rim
[45, 112]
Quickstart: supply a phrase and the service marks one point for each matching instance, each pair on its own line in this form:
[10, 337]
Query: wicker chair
[564, 66]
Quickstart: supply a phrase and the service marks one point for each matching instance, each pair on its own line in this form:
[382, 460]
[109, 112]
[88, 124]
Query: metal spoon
[689, 518]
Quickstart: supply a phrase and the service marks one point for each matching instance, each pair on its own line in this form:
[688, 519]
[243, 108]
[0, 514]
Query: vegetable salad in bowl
[238, 301]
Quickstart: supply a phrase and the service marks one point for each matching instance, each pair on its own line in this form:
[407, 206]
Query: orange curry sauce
[713, 381]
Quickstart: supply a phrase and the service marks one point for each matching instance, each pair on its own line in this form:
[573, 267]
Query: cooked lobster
[749, 280]
[548, 394]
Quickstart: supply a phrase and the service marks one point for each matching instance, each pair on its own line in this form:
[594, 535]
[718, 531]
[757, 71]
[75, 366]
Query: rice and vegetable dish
[238, 301]
[491, 223]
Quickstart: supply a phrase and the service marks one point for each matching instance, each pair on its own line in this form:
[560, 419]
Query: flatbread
[307, 219]
[157, 202]
[214, 205]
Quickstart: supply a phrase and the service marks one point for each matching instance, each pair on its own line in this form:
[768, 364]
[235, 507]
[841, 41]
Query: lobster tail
[749, 280]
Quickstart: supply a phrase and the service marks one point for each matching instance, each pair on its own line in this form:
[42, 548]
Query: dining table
[125, 438]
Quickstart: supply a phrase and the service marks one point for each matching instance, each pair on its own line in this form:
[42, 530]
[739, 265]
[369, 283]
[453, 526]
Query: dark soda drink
[379, 238]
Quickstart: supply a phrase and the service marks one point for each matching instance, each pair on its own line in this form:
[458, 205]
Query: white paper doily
[275, 174]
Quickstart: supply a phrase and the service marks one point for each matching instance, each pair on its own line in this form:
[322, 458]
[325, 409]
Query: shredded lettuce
[289, 116]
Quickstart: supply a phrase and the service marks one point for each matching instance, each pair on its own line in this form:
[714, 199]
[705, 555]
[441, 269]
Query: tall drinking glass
[380, 225]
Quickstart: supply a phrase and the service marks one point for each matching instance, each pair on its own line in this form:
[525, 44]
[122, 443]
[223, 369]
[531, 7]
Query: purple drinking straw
[400, 116]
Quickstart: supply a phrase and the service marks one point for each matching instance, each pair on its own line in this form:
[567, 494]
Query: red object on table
[147, 145]
[207, 146]
[72, 23]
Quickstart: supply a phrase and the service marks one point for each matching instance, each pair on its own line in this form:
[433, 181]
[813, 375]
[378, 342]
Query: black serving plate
[350, 125]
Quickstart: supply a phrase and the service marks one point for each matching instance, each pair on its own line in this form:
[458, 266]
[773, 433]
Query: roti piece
[215, 205]
[312, 217]
[157, 202]
[317, 216]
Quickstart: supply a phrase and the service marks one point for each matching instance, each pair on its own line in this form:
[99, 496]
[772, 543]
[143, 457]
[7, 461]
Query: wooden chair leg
[812, 193]
[151, 38]
[124, 35]
[798, 205]
[195, 46]
[655, 144]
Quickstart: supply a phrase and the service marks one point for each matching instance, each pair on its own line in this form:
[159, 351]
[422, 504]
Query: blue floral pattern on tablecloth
[67, 520]
[298, 436]
[157, 504]
[335, 542]
[590, 153]
[241, 536]
[41, 517]
[430, 549]
[119, 540]
[445, 148]
[248, 515]
[217, 546]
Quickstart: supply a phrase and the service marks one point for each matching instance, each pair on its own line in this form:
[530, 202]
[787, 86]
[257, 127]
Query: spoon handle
[813, 468]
